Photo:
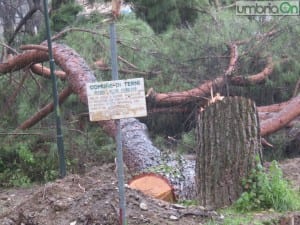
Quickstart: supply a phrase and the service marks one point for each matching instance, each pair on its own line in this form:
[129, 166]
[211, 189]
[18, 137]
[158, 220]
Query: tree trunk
[140, 155]
[228, 143]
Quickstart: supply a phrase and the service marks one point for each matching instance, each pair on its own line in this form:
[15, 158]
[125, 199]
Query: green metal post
[120, 168]
[59, 135]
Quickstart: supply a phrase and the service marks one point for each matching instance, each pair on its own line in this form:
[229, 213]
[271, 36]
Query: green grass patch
[267, 190]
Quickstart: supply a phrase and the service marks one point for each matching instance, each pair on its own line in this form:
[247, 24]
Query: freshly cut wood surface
[154, 185]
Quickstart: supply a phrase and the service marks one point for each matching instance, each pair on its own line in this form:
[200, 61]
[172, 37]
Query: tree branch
[34, 47]
[79, 74]
[44, 71]
[23, 60]
[254, 79]
[143, 73]
[22, 22]
[12, 97]
[203, 90]
[72, 29]
[8, 47]
[233, 59]
[282, 118]
[139, 152]
[45, 110]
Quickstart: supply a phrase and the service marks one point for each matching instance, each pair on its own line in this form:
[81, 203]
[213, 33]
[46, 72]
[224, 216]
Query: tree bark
[23, 60]
[44, 71]
[228, 143]
[139, 152]
[201, 92]
[281, 118]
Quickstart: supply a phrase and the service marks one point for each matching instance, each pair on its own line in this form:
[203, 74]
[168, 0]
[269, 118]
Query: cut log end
[153, 185]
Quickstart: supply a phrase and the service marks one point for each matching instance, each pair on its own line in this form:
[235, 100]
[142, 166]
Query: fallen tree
[139, 152]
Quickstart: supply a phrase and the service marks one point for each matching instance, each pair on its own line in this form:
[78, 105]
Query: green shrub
[188, 142]
[24, 161]
[267, 190]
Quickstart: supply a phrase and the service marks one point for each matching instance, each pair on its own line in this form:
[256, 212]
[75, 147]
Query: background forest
[173, 44]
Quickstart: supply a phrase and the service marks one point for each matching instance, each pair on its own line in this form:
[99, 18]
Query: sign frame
[116, 99]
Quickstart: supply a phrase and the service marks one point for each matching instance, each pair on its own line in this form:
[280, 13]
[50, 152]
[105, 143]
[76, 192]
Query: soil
[89, 200]
[92, 199]
[291, 170]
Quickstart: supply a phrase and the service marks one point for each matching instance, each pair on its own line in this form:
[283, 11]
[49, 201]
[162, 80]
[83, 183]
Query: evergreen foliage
[162, 15]
[20, 165]
[56, 4]
[191, 47]
[64, 16]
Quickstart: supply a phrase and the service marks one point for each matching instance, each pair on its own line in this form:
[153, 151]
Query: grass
[232, 217]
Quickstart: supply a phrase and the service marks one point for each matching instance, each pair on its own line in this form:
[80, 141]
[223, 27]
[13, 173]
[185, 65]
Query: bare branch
[233, 59]
[72, 29]
[273, 108]
[10, 48]
[128, 63]
[45, 110]
[203, 90]
[143, 73]
[13, 97]
[34, 47]
[254, 79]
[282, 118]
[23, 60]
[44, 71]
[23, 21]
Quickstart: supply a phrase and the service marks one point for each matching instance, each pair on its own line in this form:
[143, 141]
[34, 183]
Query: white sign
[116, 99]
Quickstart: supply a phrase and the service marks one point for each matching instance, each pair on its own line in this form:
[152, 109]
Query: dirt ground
[89, 200]
[291, 170]
[92, 199]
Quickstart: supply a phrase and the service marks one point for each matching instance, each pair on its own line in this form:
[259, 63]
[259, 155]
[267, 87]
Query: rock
[143, 206]
[178, 206]
[201, 208]
[60, 205]
[172, 217]
[8, 221]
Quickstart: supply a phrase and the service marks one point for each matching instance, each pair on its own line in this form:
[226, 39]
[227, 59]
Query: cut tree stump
[228, 143]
